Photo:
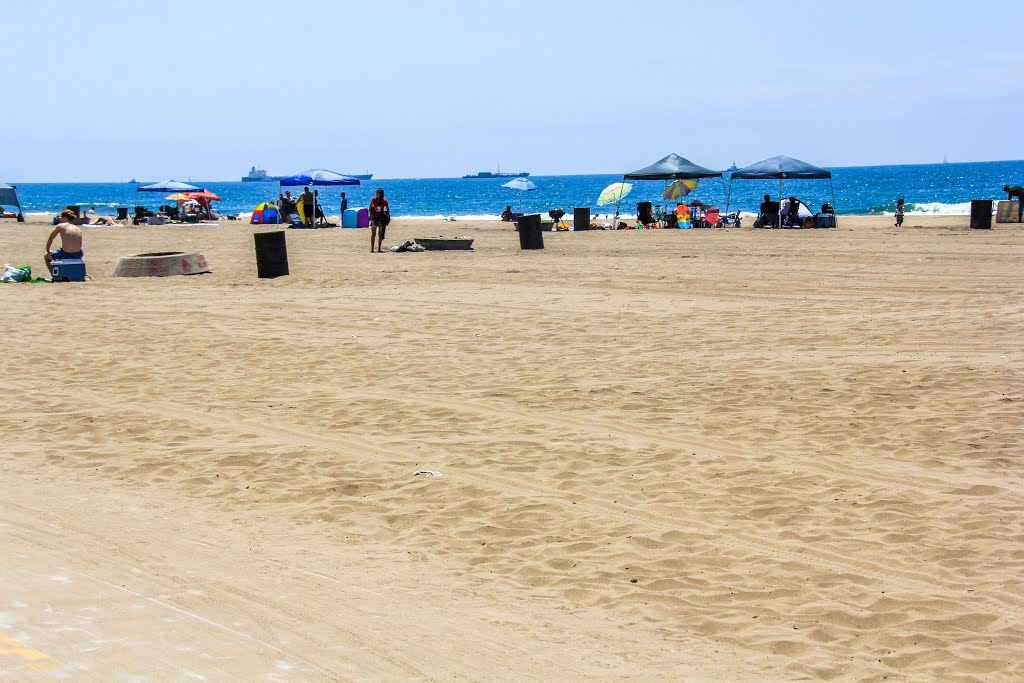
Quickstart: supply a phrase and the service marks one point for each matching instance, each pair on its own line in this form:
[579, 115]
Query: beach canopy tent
[265, 213]
[172, 187]
[318, 176]
[781, 168]
[168, 186]
[672, 167]
[9, 197]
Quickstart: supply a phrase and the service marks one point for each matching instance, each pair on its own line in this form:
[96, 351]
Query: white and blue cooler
[71, 270]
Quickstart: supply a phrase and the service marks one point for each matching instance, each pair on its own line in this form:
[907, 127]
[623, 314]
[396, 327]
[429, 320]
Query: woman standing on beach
[380, 216]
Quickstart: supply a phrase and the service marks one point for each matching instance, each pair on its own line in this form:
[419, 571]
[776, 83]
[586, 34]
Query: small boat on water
[258, 175]
[499, 174]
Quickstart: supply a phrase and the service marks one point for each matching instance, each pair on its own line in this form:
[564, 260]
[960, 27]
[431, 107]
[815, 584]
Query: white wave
[940, 209]
[456, 216]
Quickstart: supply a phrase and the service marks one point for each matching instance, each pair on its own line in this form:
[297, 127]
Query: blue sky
[108, 90]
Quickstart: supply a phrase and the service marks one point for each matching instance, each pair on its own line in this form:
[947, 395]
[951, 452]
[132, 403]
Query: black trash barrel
[981, 214]
[581, 218]
[530, 236]
[271, 254]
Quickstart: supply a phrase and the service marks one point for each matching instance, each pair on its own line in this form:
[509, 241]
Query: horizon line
[534, 175]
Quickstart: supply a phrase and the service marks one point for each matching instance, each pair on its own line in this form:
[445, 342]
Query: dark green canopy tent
[672, 167]
[9, 197]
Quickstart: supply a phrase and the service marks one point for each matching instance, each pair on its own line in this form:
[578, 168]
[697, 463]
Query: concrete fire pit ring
[162, 264]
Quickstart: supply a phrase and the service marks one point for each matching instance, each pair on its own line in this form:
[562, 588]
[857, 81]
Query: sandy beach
[723, 455]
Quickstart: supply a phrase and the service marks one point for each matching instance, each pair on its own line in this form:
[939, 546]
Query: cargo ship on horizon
[258, 175]
[499, 174]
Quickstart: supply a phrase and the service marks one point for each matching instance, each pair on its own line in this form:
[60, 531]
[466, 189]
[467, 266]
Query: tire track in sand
[715, 535]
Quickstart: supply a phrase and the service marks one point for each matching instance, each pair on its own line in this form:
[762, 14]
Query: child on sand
[899, 212]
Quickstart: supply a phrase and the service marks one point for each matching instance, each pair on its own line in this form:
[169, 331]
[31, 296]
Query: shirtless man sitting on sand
[70, 239]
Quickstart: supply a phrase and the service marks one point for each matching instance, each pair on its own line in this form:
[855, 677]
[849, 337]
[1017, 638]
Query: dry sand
[685, 455]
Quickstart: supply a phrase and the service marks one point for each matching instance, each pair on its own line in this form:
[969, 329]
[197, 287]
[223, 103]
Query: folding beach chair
[141, 214]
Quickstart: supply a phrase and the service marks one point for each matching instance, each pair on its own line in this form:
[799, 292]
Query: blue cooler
[350, 219]
[68, 271]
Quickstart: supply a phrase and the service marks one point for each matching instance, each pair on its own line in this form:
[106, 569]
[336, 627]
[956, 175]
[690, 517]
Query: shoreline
[245, 215]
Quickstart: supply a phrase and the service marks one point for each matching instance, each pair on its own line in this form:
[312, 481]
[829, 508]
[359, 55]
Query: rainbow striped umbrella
[614, 193]
[679, 188]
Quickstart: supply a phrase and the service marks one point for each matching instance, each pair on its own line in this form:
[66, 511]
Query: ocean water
[931, 189]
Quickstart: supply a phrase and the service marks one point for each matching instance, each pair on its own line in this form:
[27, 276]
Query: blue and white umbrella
[319, 176]
[523, 185]
[168, 186]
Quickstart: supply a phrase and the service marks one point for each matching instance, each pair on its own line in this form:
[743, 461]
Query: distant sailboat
[944, 160]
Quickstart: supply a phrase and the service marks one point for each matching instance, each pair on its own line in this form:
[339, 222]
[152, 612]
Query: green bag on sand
[16, 273]
[19, 274]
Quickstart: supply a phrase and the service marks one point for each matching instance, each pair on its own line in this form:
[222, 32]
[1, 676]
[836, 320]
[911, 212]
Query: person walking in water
[380, 216]
[899, 212]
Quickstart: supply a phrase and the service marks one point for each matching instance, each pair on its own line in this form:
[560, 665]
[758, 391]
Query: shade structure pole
[780, 201]
[728, 193]
[835, 221]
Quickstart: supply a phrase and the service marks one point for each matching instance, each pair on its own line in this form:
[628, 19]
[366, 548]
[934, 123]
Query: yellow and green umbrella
[614, 193]
[679, 188]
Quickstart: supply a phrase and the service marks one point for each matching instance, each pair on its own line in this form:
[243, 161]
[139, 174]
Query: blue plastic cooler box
[67, 271]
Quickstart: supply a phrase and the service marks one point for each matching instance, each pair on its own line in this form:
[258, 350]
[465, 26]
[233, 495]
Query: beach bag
[16, 273]
[385, 218]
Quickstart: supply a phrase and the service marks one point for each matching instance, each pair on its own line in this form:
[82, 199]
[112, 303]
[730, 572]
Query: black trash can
[271, 254]
[581, 218]
[981, 214]
[530, 236]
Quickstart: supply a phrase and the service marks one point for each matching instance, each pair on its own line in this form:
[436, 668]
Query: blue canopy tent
[319, 177]
[168, 187]
[780, 168]
[9, 197]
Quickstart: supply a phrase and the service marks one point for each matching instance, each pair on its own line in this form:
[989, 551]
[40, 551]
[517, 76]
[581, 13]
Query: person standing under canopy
[308, 206]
